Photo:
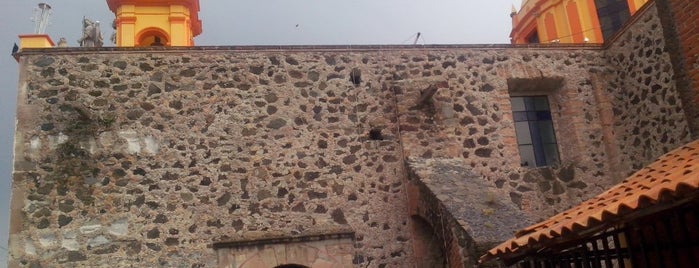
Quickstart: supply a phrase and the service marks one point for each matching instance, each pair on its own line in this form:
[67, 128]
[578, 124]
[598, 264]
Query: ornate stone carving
[92, 36]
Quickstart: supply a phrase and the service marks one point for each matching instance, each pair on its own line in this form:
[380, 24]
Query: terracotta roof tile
[675, 173]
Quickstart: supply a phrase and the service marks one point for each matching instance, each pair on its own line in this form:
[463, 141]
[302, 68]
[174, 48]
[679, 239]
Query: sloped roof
[473, 203]
[675, 174]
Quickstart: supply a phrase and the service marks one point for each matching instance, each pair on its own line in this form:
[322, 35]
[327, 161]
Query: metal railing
[666, 239]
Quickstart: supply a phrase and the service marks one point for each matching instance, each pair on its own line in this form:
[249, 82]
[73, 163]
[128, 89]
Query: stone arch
[428, 247]
[152, 35]
[333, 249]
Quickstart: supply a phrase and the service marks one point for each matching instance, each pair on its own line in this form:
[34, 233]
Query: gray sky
[258, 22]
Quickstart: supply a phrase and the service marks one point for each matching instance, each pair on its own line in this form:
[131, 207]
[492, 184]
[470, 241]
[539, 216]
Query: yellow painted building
[142, 23]
[35, 41]
[570, 21]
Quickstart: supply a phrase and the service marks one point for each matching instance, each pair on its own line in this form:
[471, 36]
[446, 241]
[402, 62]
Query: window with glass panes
[612, 15]
[535, 135]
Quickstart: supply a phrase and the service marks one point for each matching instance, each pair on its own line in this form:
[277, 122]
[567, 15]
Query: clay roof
[673, 176]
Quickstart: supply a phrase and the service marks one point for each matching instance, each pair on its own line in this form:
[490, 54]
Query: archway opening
[427, 246]
[153, 38]
[291, 266]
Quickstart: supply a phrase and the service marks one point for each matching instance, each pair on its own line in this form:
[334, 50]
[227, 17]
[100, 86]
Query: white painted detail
[87, 229]
[62, 138]
[97, 241]
[29, 247]
[69, 235]
[70, 244]
[119, 228]
[92, 146]
[47, 240]
[69, 241]
[132, 141]
[35, 143]
[152, 145]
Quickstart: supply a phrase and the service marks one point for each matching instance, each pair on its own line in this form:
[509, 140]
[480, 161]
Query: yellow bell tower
[142, 23]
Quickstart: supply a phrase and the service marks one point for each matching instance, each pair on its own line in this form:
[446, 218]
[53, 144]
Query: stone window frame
[552, 87]
[542, 157]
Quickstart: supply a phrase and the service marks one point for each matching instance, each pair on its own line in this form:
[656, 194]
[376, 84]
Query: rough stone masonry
[161, 157]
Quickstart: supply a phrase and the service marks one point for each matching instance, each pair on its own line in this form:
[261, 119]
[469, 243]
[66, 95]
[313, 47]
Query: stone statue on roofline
[113, 38]
[92, 36]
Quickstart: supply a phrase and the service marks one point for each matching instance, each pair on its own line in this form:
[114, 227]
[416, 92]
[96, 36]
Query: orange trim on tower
[571, 21]
[632, 6]
[551, 32]
[575, 25]
[193, 6]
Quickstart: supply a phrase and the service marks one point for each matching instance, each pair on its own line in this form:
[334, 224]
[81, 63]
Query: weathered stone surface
[44, 61]
[472, 202]
[260, 140]
[643, 96]
[328, 248]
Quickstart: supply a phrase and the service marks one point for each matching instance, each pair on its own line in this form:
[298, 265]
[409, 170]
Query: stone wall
[678, 18]
[641, 92]
[153, 156]
[472, 119]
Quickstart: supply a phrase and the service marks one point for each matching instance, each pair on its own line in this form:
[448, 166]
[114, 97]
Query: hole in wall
[291, 266]
[375, 134]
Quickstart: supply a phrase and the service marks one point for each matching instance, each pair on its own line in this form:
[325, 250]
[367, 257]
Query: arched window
[152, 37]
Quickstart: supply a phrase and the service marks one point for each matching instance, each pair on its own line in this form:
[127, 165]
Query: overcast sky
[258, 22]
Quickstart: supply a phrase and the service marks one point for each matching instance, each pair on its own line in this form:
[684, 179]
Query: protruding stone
[338, 216]
[64, 220]
[153, 233]
[483, 152]
[276, 123]
[567, 173]
[44, 61]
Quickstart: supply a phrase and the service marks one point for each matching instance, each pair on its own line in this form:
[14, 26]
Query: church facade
[570, 21]
[330, 156]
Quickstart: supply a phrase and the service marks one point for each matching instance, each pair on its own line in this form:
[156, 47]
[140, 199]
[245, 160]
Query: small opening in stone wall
[356, 76]
[375, 134]
[291, 266]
